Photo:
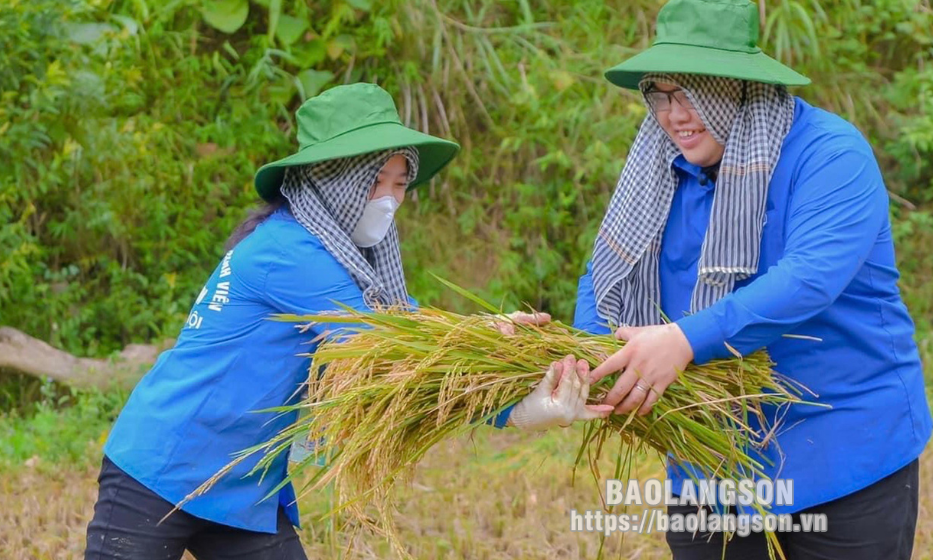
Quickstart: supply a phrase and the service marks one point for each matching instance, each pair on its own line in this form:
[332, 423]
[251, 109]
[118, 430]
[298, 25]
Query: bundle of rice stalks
[405, 381]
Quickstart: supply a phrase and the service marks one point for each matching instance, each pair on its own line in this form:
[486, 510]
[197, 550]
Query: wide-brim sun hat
[709, 37]
[350, 120]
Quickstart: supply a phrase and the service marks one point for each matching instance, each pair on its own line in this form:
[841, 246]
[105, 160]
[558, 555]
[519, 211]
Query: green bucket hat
[351, 120]
[711, 37]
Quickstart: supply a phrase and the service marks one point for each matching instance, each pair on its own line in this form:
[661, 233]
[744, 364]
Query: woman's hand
[649, 362]
[559, 399]
[507, 325]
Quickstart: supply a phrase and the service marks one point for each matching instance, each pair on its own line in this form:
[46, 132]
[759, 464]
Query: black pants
[876, 523]
[126, 525]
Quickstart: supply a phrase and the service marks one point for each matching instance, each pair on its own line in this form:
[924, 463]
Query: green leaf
[338, 45]
[310, 54]
[275, 11]
[313, 81]
[225, 15]
[334, 49]
[129, 24]
[360, 4]
[290, 29]
[87, 33]
[468, 295]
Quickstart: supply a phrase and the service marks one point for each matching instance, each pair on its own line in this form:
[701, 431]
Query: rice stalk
[396, 383]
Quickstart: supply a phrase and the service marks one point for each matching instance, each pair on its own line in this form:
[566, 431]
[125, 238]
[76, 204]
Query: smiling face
[392, 179]
[680, 120]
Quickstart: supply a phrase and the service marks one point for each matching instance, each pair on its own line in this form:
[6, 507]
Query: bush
[59, 428]
[132, 129]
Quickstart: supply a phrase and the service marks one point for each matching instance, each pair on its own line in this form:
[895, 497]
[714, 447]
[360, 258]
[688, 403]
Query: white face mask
[374, 225]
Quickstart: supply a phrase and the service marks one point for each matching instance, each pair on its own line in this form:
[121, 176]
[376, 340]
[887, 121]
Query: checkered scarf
[751, 120]
[328, 198]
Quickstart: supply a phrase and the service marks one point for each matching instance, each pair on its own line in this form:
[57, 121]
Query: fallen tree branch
[23, 353]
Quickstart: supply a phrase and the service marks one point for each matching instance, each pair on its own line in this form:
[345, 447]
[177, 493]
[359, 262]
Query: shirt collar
[705, 176]
[680, 162]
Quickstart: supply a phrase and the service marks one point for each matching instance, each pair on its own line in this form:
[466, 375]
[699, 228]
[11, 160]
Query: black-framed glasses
[661, 101]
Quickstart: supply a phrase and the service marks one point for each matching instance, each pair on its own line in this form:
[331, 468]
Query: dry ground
[498, 496]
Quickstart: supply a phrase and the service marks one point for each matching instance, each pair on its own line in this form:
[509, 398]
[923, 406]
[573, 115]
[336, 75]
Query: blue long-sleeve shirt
[826, 270]
[197, 406]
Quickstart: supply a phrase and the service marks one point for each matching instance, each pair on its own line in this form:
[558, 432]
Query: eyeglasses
[660, 101]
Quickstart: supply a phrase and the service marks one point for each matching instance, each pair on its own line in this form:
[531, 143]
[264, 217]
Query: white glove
[506, 323]
[546, 407]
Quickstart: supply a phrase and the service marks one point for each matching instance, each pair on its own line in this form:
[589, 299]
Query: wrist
[518, 418]
[683, 342]
[528, 418]
[702, 335]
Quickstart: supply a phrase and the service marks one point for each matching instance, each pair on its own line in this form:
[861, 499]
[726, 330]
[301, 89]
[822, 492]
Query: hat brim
[692, 59]
[433, 153]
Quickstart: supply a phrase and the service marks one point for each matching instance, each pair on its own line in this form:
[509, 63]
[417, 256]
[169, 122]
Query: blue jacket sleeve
[835, 213]
[585, 316]
[500, 420]
[310, 281]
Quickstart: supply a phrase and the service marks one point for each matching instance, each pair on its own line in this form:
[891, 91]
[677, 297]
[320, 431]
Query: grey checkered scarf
[751, 120]
[328, 198]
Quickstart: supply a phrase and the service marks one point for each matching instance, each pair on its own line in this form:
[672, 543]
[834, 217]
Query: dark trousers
[875, 523]
[126, 525]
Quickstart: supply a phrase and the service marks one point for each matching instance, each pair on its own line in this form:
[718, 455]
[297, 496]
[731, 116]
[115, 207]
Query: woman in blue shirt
[326, 235]
[744, 214]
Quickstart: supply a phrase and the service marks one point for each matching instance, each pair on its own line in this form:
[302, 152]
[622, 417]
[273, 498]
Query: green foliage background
[130, 131]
